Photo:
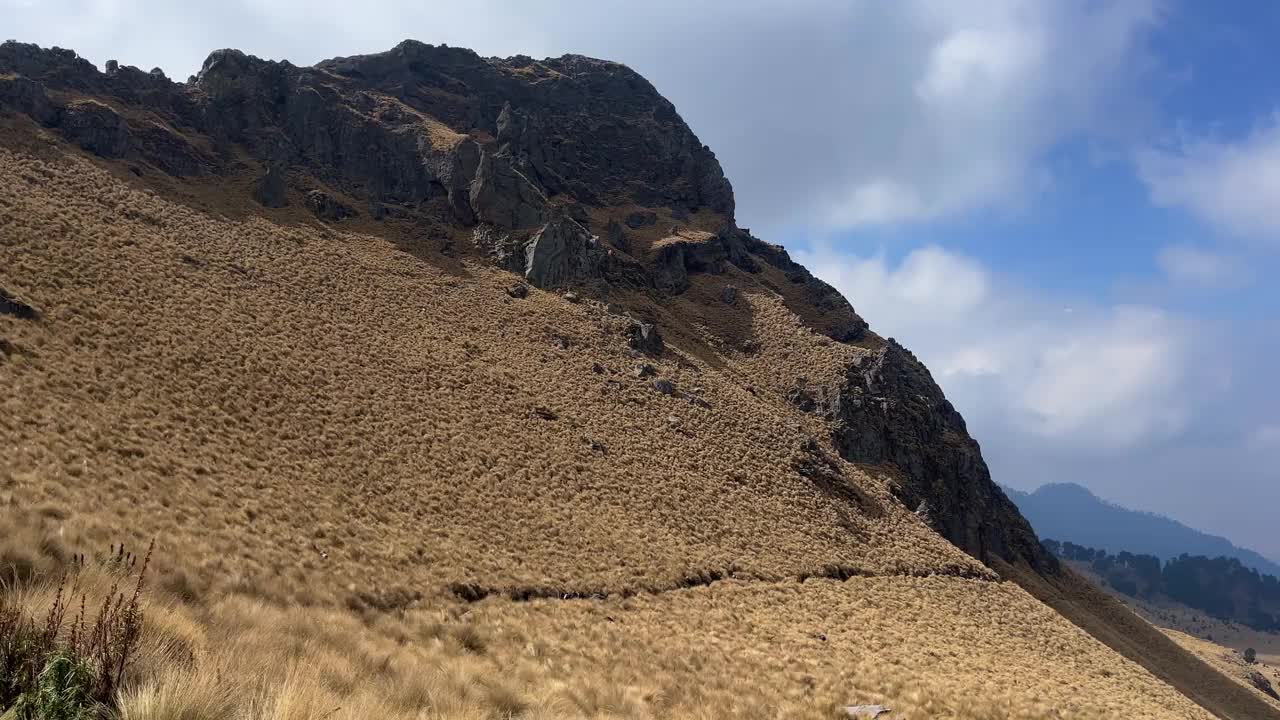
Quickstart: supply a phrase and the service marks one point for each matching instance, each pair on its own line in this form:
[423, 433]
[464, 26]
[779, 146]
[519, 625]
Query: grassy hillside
[386, 478]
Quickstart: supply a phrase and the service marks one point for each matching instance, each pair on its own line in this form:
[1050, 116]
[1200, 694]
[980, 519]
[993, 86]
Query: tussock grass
[325, 433]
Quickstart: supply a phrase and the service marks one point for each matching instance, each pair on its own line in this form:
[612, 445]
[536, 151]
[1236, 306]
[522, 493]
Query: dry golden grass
[1230, 662]
[325, 433]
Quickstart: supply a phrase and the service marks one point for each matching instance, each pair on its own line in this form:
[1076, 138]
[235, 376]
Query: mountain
[1069, 512]
[449, 385]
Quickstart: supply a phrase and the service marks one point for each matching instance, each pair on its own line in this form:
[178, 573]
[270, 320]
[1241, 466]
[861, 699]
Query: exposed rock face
[890, 411]
[269, 191]
[562, 253]
[327, 207]
[96, 128]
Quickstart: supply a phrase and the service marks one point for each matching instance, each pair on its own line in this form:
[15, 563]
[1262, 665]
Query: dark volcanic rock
[890, 411]
[269, 191]
[9, 305]
[96, 128]
[646, 338]
[562, 253]
[326, 207]
[504, 197]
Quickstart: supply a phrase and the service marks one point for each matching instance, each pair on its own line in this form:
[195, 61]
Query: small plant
[1250, 655]
[60, 670]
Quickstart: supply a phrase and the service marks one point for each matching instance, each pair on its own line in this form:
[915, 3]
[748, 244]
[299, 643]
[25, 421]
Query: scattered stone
[595, 445]
[270, 188]
[645, 370]
[865, 711]
[9, 305]
[645, 338]
[664, 386]
[698, 400]
[518, 291]
[597, 368]
[545, 413]
[729, 295]
[563, 342]
[326, 207]
[673, 420]
[802, 399]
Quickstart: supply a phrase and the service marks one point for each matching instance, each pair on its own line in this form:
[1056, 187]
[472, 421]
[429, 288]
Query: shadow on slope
[1104, 618]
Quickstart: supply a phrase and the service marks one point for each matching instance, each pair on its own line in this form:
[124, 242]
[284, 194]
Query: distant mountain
[1069, 512]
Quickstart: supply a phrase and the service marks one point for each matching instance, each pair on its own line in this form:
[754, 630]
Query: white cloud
[1189, 265]
[1234, 186]
[1110, 376]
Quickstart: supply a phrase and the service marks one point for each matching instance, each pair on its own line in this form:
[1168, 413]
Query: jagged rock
[10, 305]
[96, 128]
[518, 291]
[641, 218]
[1261, 682]
[112, 67]
[645, 338]
[501, 195]
[28, 96]
[326, 207]
[645, 370]
[669, 272]
[890, 411]
[562, 253]
[729, 295]
[269, 191]
[664, 386]
[802, 399]
[618, 237]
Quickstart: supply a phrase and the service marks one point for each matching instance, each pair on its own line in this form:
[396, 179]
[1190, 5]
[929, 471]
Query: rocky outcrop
[562, 253]
[96, 128]
[327, 207]
[270, 190]
[502, 196]
[889, 411]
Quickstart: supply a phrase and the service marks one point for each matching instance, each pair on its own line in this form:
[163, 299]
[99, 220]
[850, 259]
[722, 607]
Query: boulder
[664, 386]
[562, 253]
[326, 207]
[645, 338]
[729, 295]
[502, 196]
[618, 237]
[269, 191]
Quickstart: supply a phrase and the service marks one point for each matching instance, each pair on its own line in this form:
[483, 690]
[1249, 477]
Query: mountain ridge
[1071, 512]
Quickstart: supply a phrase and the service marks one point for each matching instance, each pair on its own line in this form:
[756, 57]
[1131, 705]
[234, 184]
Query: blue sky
[1069, 210]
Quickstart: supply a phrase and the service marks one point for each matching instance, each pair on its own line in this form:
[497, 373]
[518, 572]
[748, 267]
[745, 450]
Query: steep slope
[1069, 512]
[278, 319]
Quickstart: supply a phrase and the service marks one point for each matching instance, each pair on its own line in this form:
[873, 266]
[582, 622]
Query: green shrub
[66, 670]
